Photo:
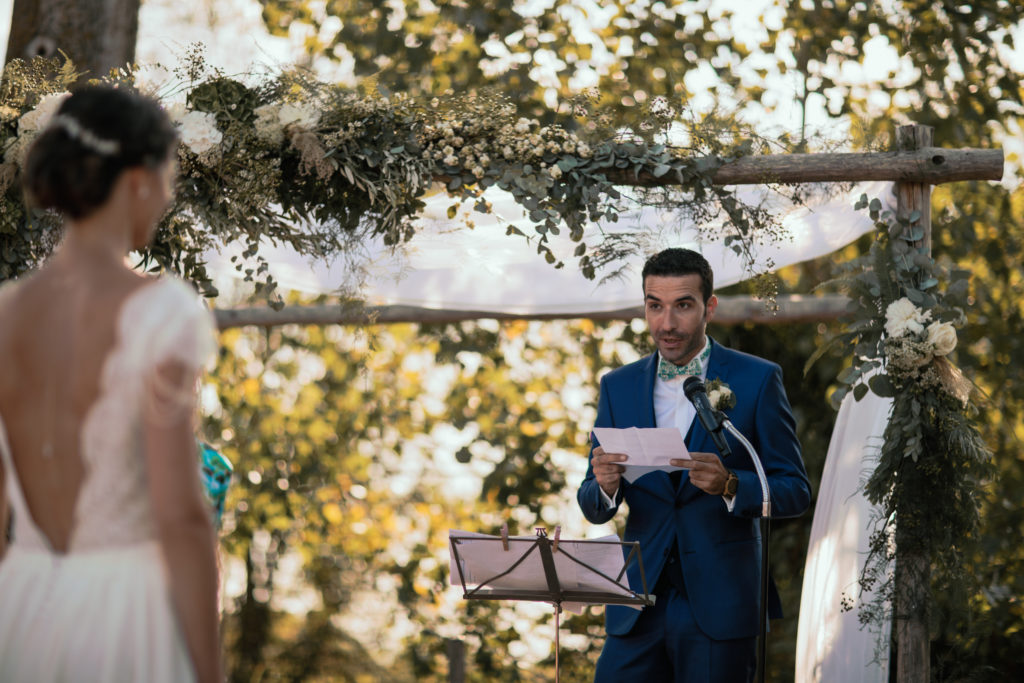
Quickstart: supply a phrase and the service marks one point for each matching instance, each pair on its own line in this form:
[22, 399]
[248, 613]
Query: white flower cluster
[904, 319]
[467, 143]
[198, 129]
[272, 120]
[29, 126]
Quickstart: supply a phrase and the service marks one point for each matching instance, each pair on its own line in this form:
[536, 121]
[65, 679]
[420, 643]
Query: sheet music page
[649, 449]
[482, 558]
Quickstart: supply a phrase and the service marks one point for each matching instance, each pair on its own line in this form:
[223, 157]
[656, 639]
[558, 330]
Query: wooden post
[913, 567]
[456, 651]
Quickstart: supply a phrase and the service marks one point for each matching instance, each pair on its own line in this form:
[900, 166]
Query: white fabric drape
[468, 262]
[831, 644]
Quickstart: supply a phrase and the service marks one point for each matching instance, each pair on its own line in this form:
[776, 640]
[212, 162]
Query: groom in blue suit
[697, 528]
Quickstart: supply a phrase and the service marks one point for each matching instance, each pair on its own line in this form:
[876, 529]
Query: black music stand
[616, 593]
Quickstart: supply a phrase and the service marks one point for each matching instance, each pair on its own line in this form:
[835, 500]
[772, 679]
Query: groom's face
[676, 315]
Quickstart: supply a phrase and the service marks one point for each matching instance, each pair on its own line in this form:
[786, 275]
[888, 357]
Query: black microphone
[698, 396]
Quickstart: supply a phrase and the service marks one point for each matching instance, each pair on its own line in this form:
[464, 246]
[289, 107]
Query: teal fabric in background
[215, 471]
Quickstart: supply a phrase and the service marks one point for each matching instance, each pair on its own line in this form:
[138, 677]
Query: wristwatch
[731, 484]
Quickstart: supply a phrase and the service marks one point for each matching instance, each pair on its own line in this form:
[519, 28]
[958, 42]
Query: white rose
[199, 131]
[942, 337]
[36, 120]
[714, 398]
[268, 123]
[302, 115]
[902, 316]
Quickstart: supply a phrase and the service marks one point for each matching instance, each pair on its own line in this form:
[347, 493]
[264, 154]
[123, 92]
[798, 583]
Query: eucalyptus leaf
[882, 386]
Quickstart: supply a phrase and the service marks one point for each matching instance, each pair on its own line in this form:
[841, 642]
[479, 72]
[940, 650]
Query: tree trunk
[97, 35]
[913, 569]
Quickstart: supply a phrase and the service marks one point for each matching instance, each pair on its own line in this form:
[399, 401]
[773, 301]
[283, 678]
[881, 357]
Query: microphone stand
[766, 513]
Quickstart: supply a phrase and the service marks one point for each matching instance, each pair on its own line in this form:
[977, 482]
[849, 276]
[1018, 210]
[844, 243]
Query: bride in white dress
[110, 573]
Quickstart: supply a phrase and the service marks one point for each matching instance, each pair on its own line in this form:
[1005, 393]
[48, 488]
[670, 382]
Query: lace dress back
[102, 611]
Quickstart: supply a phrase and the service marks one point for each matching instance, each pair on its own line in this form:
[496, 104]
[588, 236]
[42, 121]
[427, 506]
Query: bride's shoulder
[167, 295]
[168, 318]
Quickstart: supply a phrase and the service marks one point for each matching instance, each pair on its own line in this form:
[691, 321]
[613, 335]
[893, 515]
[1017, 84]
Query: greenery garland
[900, 331]
[326, 169]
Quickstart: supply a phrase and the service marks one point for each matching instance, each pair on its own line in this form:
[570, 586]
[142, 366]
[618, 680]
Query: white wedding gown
[831, 644]
[102, 611]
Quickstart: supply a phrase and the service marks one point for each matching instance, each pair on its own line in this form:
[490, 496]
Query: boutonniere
[720, 396]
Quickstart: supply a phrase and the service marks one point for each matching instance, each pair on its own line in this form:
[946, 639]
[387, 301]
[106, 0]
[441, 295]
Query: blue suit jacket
[719, 550]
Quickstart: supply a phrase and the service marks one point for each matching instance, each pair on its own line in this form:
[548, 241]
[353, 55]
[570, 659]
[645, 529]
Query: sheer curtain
[831, 643]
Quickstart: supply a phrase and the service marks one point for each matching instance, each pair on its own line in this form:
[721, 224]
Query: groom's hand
[607, 471]
[706, 472]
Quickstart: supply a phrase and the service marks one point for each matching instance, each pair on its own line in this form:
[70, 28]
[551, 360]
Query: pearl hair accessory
[86, 137]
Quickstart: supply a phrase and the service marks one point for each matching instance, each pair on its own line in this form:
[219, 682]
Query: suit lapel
[647, 392]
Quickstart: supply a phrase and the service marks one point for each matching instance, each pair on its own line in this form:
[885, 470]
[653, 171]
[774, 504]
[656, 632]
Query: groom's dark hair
[677, 262]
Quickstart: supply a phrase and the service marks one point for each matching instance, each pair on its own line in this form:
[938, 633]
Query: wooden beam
[930, 165]
[732, 310]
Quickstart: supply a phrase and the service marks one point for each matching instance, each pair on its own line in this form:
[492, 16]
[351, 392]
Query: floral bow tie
[669, 371]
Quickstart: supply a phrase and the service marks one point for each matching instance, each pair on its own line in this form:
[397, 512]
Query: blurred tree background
[356, 450]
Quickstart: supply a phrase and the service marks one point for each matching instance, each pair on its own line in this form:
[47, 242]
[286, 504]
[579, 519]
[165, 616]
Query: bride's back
[60, 325]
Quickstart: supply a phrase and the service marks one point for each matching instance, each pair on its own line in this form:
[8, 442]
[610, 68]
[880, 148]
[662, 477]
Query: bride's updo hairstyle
[98, 132]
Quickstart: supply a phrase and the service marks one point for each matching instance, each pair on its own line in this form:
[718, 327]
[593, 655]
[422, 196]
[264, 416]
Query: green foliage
[328, 170]
[932, 462]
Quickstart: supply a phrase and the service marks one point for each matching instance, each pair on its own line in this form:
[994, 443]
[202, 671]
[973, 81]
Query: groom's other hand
[706, 472]
[607, 469]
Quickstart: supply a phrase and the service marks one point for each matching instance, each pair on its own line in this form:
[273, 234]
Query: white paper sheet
[483, 558]
[648, 449]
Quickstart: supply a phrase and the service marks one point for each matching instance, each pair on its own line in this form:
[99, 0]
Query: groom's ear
[710, 307]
